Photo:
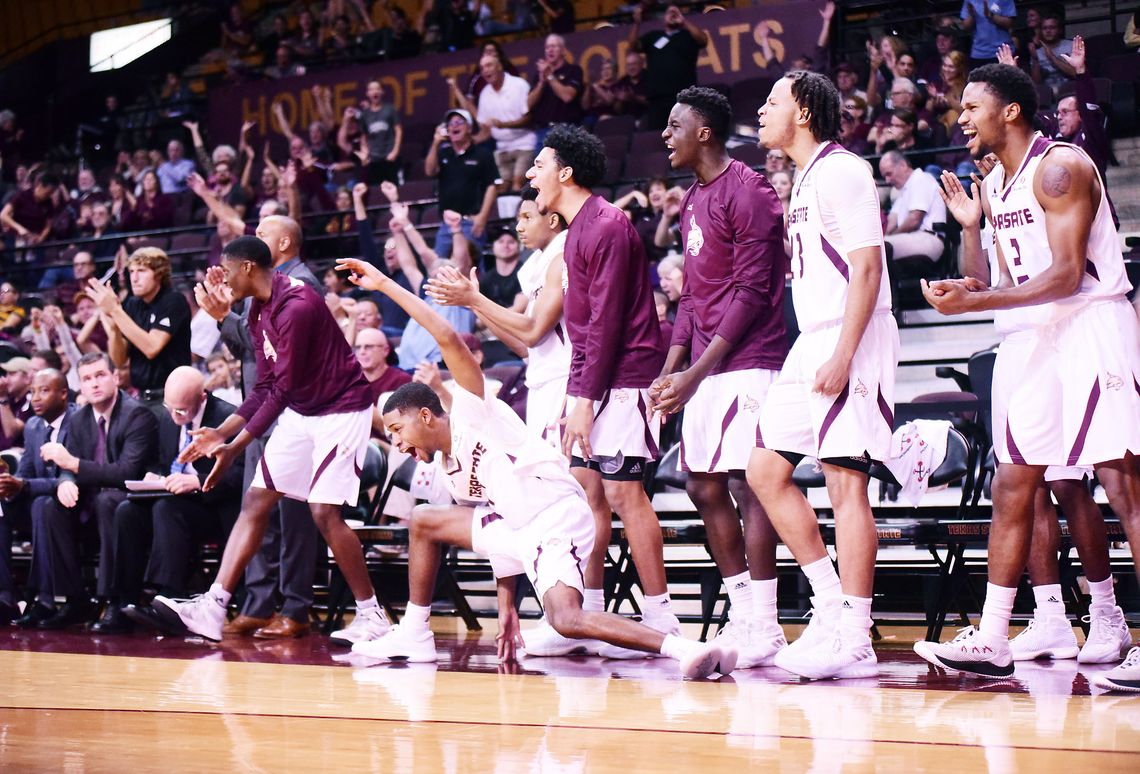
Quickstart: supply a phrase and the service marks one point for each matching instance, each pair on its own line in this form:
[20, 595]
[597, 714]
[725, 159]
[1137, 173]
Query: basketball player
[1073, 400]
[311, 384]
[616, 354]
[730, 334]
[834, 398]
[536, 519]
[1049, 634]
[539, 336]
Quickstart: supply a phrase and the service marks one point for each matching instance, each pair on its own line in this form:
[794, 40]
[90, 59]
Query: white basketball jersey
[820, 265]
[550, 358]
[1019, 228]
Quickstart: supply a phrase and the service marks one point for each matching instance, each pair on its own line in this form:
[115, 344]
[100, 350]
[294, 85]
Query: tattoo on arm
[1056, 181]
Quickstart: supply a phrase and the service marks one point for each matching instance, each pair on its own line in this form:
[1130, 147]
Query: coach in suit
[177, 519]
[281, 574]
[30, 488]
[111, 440]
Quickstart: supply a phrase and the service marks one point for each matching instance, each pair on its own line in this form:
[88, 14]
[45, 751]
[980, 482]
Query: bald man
[178, 517]
[372, 350]
[280, 577]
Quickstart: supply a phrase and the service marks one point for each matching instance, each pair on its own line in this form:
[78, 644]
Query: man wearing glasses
[177, 516]
[371, 349]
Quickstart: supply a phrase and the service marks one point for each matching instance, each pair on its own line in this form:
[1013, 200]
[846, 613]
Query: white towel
[917, 449]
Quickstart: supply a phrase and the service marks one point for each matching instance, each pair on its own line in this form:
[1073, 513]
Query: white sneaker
[1125, 677]
[706, 658]
[399, 644]
[203, 615]
[543, 640]
[755, 643]
[969, 653]
[1108, 635]
[665, 623]
[370, 625]
[819, 632]
[1047, 636]
[848, 655]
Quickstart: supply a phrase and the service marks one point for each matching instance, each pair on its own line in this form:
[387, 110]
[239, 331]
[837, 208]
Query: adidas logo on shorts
[636, 468]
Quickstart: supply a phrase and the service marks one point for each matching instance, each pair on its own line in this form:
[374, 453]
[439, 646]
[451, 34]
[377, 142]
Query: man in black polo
[150, 331]
[467, 176]
[671, 57]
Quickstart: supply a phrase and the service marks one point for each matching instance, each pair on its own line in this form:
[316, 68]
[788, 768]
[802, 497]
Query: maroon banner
[418, 87]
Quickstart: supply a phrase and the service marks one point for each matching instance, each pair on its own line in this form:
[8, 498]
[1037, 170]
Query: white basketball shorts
[316, 459]
[718, 430]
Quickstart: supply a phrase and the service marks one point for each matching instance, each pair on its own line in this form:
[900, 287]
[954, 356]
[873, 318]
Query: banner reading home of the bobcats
[418, 87]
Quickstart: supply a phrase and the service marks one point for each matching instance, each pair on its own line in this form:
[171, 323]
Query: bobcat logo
[751, 404]
[620, 397]
[267, 348]
[1113, 382]
[696, 238]
[860, 389]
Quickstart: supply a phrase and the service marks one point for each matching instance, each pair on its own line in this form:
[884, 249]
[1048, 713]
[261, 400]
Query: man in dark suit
[31, 487]
[176, 520]
[112, 440]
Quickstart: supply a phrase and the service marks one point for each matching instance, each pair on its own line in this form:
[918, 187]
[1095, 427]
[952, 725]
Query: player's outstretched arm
[458, 358]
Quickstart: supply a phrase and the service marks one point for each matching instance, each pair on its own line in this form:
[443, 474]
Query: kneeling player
[536, 520]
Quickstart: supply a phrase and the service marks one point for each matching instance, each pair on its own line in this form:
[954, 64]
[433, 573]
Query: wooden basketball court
[76, 703]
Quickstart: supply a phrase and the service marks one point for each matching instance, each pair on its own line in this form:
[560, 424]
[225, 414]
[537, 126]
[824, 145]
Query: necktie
[101, 441]
[183, 467]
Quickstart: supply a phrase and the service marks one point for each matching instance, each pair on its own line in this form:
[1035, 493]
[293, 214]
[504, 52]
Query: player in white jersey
[835, 396]
[539, 336]
[728, 345]
[1049, 634]
[1077, 397]
[535, 522]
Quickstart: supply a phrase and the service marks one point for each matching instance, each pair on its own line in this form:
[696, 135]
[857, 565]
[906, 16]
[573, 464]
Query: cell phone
[107, 275]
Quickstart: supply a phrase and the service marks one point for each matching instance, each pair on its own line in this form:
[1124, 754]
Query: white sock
[657, 606]
[823, 578]
[365, 605]
[996, 612]
[1103, 592]
[594, 601]
[221, 595]
[1049, 599]
[416, 618]
[764, 600]
[676, 648]
[739, 589]
[856, 614]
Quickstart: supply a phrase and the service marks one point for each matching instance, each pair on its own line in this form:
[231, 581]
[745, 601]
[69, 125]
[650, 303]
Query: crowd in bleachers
[97, 301]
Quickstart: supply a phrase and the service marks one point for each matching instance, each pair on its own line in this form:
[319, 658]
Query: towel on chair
[917, 449]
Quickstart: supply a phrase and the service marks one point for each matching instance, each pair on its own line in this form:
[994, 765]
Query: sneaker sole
[715, 660]
[978, 668]
[400, 658]
[1128, 686]
[174, 623]
[576, 650]
[1052, 654]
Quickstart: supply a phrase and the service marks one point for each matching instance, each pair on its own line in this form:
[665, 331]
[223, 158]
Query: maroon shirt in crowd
[31, 213]
[303, 360]
[732, 231]
[389, 380]
[609, 309]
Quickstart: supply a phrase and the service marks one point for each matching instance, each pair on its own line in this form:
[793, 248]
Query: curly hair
[583, 152]
[712, 106]
[154, 259]
[1009, 84]
[414, 396]
[819, 95]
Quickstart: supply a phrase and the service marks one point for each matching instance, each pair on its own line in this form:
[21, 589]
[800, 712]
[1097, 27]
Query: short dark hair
[249, 248]
[819, 95]
[48, 179]
[906, 115]
[583, 152]
[1009, 84]
[712, 106]
[50, 357]
[95, 357]
[528, 194]
[414, 396]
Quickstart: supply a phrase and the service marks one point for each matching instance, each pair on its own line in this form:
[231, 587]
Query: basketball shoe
[705, 658]
[399, 644]
[819, 632]
[1046, 636]
[757, 644]
[203, 615]
[371, 624]
[1125, 677]
[848, 655]
[969, 653]
[1108, 635]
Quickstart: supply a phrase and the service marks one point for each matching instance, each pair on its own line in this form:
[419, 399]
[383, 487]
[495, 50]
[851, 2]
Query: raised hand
[363, 275]
[197, 184]
[1005, 55]
[966, 208]
[359, 191]
[450, 288]
[1077, 57]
